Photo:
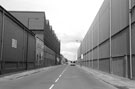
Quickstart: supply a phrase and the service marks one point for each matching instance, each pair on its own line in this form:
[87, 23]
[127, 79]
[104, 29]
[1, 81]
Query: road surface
[59, 77]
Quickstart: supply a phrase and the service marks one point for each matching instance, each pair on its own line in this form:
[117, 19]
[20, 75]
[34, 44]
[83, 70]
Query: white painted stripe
[51, 86]
[60, 76]
[56, 80]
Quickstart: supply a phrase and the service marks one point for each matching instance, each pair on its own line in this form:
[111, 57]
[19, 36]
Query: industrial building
[109, 44]
[37, 23]
[22, 45]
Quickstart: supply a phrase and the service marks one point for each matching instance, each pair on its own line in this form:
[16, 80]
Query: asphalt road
[59, 77]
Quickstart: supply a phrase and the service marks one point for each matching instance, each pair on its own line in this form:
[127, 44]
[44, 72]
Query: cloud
[69, 55]
[70, 44]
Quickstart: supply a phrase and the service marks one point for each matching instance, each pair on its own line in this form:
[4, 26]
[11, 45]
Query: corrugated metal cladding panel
[118, 66]
[31, 48]
[133, 62]
[35, 20]
[104, 21]
[13, 42]
[95, 53]
[104, 50]
[86, 44]
[90, 55]
[86, 56]
[88, 40]
[133, 38]
[87, 48]
[96, 31]
[0, 29]
[95, 64]
[133, 15]
[91, 39]
[83, 57]
[120, 44]
[119, 15]
[104, 65]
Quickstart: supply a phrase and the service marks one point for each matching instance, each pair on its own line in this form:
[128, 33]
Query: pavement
[119, 82]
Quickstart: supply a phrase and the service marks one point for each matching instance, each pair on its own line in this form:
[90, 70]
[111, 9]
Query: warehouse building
[109, 44]
[22, 45]
[37, 23]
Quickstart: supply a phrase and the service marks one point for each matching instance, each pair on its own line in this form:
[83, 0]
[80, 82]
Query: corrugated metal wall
[18, 46]
[0, 35]
[108, 39]
[12, 50]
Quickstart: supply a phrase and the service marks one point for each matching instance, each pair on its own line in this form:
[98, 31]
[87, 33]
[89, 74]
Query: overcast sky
[70, 19]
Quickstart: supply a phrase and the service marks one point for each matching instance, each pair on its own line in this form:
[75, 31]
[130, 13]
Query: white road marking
[51, 86]
[58, 78]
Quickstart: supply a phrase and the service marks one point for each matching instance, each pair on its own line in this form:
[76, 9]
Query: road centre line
[51, 86]
[58, 78]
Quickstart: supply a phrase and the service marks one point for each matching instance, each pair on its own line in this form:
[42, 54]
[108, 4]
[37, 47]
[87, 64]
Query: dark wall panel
[88, 56]
[31, 48]
[120, 44]
[13, 41]
[119, 15]
[104, 65]
[95, 64]
[133, 38]
[133, 11]
[104, 50]
[118, 66]
[0, 30]
[91, 55]
[133, 62]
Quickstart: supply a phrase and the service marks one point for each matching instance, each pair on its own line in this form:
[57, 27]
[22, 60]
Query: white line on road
[58, 78]
[51, 86]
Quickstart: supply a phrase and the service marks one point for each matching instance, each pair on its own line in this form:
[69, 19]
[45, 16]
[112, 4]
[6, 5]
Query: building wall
[108, 45]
